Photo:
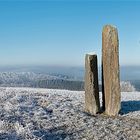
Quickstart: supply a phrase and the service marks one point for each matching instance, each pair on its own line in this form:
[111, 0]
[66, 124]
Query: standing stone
[92, 104]
[110, 71]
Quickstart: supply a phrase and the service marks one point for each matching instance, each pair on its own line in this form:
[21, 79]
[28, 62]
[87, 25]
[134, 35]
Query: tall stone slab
[92, 104]
[110, 70]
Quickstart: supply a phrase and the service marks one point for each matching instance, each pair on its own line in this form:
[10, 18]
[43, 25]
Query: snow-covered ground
[49, 114]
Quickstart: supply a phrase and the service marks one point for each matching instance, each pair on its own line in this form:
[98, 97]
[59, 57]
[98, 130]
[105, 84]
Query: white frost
[29, 113]
[91, 53]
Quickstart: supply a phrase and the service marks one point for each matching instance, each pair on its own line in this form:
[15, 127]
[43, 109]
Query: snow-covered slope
[49, 114]
[53, 81]
[24, 79]
[39, 80]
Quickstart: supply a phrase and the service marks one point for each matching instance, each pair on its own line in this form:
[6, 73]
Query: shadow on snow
[129, 106]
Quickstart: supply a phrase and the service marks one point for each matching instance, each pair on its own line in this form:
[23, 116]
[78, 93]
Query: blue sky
[62, 32]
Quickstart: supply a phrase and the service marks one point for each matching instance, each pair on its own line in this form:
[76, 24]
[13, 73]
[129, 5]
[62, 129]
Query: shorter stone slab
[92, 104]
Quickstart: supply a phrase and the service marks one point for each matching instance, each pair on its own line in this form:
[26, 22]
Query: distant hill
[54, 81]
[31, 79]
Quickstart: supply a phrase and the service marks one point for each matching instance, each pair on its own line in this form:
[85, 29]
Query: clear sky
[61, 32]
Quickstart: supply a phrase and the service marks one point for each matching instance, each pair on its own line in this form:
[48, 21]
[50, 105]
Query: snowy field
[49, 114]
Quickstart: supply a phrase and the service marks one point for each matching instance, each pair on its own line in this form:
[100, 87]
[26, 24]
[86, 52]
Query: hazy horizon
[126, 72]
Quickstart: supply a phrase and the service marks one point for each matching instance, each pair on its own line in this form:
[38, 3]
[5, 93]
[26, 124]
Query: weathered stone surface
[92, 104]
[110, 70]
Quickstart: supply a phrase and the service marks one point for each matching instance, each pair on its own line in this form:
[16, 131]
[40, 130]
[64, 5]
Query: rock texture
[92, 103]
[110, 70]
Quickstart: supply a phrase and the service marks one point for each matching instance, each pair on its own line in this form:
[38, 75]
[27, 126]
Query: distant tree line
[61, 84]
